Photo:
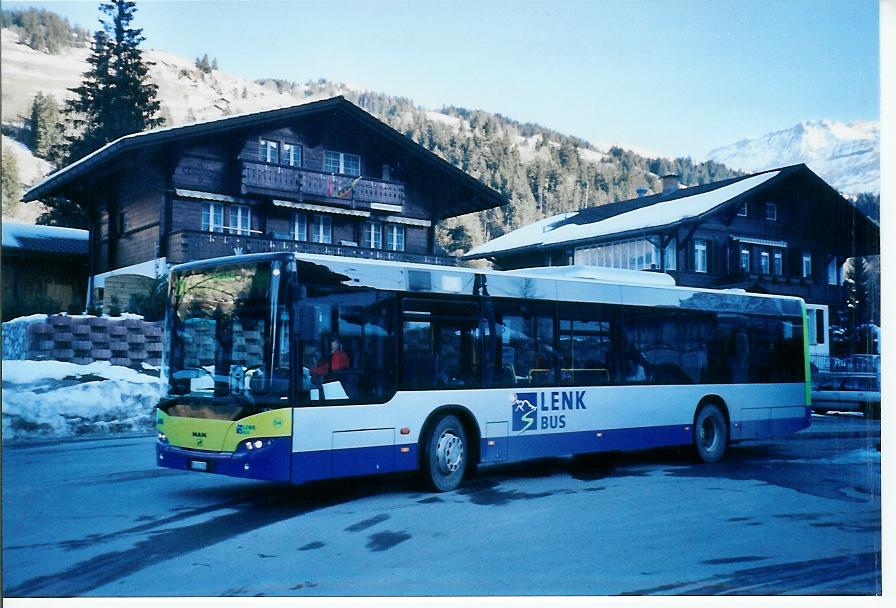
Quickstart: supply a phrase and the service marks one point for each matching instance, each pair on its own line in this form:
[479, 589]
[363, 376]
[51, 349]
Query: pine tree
[116, 97]
[46, 137]
[858, 304]
[10, 184]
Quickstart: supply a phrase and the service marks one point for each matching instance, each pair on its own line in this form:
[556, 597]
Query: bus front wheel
[446, 454]
[710, 433]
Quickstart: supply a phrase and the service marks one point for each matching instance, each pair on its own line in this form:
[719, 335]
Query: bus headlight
[255, 444]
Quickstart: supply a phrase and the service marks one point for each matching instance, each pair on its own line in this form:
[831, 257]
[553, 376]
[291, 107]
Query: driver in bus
[338, 360]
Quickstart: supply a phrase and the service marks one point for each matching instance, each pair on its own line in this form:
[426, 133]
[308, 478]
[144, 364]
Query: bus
[296, 367]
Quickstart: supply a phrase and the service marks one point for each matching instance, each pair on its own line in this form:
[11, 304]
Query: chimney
[670, 183]
[642, 191]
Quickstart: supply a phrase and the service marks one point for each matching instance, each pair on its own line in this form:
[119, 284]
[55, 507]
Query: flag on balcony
[346, 192]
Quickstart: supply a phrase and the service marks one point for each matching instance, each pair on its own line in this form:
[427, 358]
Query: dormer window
[771, 212]
[340, 162]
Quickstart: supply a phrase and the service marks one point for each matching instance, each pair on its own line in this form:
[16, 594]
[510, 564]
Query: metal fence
[852, 364]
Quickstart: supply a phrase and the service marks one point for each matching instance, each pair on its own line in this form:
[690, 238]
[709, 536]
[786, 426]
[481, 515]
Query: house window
[122, 222]
[240, 219]
[700, 255]
[742, 210]
[269, 151]
[745, 259]
[670, 256]
[778, 258]
[373, 235]
[807, 265]
[321, 229]
[213, 217]
[339, 162]
[292, 155]
[635, 254]
[771, 212]
[395, 237]
[764, 262]
[832, 272]
[299, 227]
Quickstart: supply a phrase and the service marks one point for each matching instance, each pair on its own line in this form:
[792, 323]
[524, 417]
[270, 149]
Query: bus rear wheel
[710, 433]
[446, 454]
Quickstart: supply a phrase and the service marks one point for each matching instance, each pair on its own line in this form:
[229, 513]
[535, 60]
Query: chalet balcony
[186, 245]
[293, 182]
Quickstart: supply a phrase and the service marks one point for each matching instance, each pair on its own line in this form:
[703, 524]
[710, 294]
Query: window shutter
[689, 256]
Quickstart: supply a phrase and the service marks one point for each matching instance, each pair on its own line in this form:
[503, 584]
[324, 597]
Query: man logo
[524, 411]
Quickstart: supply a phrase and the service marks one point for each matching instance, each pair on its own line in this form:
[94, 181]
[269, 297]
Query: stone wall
[82, 340]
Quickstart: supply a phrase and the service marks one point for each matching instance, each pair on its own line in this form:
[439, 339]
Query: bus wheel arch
[712, 429]
[470, 435]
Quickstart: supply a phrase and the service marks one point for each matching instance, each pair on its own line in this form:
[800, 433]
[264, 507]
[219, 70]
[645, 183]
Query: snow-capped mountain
[847, 156]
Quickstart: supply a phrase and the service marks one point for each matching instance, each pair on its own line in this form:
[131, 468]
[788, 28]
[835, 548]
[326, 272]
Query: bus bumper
[270, 462]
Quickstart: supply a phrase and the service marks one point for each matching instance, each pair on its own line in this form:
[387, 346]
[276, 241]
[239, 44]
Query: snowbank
[49, 399]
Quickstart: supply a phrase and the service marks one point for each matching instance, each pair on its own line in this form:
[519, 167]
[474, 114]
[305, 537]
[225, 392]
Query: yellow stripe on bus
[223, 435]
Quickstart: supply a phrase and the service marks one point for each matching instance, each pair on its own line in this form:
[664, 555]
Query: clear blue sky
[675, 76]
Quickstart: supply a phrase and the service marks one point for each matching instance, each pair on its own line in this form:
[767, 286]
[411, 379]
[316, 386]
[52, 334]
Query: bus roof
[558, 284]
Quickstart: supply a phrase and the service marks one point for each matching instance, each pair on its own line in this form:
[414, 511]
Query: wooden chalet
[783, 231]
[323, 177]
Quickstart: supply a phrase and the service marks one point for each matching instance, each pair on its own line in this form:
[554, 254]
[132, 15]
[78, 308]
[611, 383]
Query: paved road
[797, 516]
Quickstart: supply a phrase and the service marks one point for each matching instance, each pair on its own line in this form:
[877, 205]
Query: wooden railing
[188, 245]
[264, 178]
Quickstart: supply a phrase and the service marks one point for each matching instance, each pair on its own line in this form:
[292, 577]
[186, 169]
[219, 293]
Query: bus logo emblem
[524, 409]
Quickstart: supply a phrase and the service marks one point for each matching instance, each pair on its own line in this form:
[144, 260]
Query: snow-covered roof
[565, 228]
[660, 214]
[533, 234]
[45, 239]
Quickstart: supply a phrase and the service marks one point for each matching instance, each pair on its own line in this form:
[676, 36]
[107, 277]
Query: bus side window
[519, 345]
[589, 348]
[440, 345]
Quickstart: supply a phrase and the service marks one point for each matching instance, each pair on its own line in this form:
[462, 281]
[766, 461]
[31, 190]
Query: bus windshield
[224, 342]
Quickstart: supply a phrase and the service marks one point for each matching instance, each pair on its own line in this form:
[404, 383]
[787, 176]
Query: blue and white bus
[440, 369]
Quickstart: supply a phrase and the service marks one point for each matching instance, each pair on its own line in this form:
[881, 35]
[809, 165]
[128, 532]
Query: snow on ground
[450, 121]
[859, 457]
[26, 71]
[48, 399]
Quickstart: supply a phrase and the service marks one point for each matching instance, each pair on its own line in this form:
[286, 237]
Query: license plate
[198, 465]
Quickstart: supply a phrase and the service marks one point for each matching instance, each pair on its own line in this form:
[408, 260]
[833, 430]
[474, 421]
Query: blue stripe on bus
[755, 429]
[352, 462]
[526, 446]
[277, 462]
[270, 462]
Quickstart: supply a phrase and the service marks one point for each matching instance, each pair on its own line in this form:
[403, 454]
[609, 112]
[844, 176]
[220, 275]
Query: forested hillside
[540, 172]
[43, 30]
